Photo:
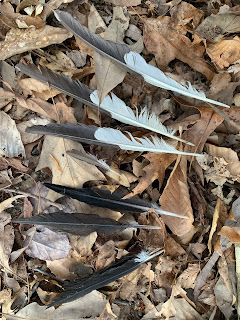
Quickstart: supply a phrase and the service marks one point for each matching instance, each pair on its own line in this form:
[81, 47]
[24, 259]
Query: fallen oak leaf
[154, 170]
[175, 198]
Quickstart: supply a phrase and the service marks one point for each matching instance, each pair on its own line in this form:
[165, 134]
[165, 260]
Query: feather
[121, 112]
[80, 287]
[106, 199]
[113, 107]
[129, 60]
[80, 223]
[106, 137]
[77, 132]
[157, 78]
[61, 82]
[90, 158]
[113, 136]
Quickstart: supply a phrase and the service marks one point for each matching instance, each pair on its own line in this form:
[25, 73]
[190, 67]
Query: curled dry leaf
[166, 43]
[186, 14]
[23, 40]
[10, 139]
[175, 198]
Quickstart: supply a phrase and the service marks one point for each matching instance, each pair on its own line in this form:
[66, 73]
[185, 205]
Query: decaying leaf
[216, 26]
[175, 198]
[10, 140]
[47, 245]
[22, 40]
[167, 43]
[224, 52]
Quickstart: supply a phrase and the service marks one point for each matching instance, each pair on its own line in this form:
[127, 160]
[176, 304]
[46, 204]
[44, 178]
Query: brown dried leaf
[188, 277]
[175, 198]
[167, 43]
[22, 40]
[106, 255]
[6, 236]
[220, 81]
[186, 14]
[5, 97]
[224, 52]
[155, 170]
[65, 169]
[124, 3]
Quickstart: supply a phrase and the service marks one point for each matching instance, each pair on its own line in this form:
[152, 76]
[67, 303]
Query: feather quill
[129, 60]
[80, 287]
[80, 223]
[90, 158]
[121, 112]
[106, 199]
[106, 137]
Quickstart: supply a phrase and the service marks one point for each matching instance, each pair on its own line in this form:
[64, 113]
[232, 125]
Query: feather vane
[157, 78]
[121, 112]
[113, 136]
[90, 158]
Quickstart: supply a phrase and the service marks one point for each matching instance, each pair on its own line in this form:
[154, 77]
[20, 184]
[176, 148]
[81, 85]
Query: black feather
[102, 198]
[80, 287]
[79, 223]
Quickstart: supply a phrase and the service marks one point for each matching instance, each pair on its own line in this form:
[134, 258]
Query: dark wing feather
[102, 198]
[61, 82]
[77, 132]
[80, 287]
[75, 223]
[110, 49]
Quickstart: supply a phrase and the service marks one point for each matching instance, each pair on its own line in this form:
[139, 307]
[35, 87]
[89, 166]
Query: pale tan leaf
[108, 73]
[65, 169]
[22, 40]
[6, 240]
[10, 140]
[28, 137]
[175, 198]
[124, 3]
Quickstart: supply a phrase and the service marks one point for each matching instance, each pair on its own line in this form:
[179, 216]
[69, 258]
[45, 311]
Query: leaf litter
[197, 277]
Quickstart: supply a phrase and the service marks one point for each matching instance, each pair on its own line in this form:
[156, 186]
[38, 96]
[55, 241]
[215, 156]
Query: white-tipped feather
[157, 78]
[116, 137]
[145, 256]
[121, 112]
